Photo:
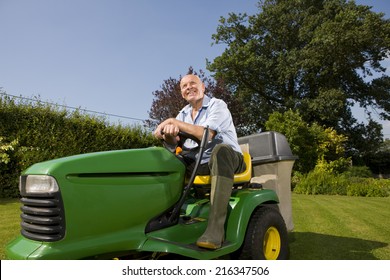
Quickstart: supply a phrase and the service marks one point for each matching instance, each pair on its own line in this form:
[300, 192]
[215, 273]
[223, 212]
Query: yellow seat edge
[242, 177]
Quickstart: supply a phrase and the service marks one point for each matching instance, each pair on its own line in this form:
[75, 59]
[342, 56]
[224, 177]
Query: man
[222, 157]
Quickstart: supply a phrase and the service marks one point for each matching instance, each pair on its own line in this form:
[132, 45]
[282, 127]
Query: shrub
[324, 182]
[369, 187]
[321, 182]
[296, 179]
[5, 149]
[358, 171]
[34, 132]
[337, 166]
[7, 167]
[311, 142]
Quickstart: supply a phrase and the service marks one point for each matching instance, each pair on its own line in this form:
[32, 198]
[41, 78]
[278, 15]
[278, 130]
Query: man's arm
[169, 129]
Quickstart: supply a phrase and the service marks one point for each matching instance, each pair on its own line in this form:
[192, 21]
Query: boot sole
[208, 245]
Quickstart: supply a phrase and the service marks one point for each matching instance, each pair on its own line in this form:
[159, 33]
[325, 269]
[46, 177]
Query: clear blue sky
[111, 55]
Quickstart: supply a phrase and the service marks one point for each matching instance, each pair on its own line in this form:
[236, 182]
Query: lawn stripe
[340, 227]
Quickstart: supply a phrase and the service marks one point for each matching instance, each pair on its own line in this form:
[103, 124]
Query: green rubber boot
[213, 237]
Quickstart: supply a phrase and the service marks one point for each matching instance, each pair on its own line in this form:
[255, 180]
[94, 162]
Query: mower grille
[43, 217]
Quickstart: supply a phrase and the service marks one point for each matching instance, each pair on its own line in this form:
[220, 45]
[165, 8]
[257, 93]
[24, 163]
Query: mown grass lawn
[9, 222]
[326, 227]
[340, 228]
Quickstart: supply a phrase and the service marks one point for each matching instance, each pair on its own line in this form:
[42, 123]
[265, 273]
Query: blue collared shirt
[216, 115]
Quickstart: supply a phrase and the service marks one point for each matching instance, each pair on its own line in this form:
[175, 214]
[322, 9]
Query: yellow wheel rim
[272, 244]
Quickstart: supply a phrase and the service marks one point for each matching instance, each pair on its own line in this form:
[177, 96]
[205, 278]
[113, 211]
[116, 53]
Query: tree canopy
[313, 56]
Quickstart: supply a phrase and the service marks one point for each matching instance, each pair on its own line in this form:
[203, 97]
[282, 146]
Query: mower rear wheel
[266, 237]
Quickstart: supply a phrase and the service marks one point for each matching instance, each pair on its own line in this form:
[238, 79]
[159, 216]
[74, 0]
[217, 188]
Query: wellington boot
[213, 237]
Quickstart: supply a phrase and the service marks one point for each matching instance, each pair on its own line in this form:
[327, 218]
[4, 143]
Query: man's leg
[224, 163]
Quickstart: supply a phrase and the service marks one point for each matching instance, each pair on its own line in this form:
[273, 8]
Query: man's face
[192, 88]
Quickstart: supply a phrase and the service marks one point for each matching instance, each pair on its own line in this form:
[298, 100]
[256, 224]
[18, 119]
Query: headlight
[39, 184]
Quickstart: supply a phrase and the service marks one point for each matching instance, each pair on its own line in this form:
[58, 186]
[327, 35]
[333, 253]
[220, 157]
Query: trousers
[224, 162]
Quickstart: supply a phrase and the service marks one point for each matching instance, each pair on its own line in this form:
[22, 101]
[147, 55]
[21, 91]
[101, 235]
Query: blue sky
[110, 56]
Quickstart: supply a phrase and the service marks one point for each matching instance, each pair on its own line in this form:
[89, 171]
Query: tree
[314, 144]
[313, 56]
[168, 102]
[379, 160]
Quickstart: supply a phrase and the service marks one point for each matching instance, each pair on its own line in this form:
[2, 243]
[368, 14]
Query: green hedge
[321, 182]
[36, 132]
[368, 187]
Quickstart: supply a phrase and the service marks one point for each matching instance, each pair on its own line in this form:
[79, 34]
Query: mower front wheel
[266, 237]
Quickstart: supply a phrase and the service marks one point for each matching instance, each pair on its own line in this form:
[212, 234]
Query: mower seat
[242, 177]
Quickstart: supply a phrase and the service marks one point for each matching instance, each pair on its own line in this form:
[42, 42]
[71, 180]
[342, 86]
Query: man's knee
[222, 161]
[221, 151]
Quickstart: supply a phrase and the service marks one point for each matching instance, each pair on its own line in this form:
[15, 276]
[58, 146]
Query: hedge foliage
[324, 182]
[33, 131]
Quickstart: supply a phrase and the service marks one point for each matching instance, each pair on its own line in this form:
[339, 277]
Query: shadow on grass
[315, 246]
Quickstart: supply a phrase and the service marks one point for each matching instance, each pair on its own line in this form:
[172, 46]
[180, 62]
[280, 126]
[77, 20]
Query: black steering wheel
[184, 136]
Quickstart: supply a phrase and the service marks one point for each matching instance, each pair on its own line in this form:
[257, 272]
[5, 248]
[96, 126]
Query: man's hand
[167, 131]
[170, 130]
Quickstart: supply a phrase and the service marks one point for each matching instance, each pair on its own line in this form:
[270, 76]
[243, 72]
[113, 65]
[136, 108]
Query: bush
[311, 143]
[358, 171]
[32, 132]
[323, 182]
[7, 167]
[369, 187]
[337, 166]
[296, 179]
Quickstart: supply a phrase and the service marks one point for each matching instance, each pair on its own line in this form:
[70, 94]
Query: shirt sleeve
[218, 116]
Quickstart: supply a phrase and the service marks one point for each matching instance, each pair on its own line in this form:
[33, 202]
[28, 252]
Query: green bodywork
[109, 198]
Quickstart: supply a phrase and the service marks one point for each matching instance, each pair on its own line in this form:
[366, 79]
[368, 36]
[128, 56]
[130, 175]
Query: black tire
[266, 237]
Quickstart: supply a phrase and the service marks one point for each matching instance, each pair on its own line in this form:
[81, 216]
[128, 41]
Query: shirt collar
[205, 103]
